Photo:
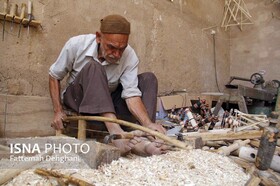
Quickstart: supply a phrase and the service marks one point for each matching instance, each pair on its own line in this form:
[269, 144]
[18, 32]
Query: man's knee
[148, 77]
[94, 66]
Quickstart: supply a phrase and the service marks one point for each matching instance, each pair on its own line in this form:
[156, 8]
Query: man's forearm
[113, 128]
[138, 110]
[54, 87]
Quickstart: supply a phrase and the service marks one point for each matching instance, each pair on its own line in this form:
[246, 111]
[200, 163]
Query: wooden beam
[224, 135]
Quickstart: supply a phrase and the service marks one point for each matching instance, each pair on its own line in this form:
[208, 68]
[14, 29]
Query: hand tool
[13, 11]
[29, 12]
[168, 139]
[108, 139]
[5, 15]
[23, 7]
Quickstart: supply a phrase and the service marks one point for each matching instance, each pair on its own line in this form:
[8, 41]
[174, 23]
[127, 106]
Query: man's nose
[117, 54]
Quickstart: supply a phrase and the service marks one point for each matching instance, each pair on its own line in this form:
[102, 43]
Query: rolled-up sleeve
[129, 80]
[64, 62]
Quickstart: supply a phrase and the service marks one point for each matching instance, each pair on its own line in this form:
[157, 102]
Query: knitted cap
[114, 24]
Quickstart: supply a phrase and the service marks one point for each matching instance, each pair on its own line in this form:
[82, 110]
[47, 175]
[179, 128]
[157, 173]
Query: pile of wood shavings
[190, 168]
[195, 167]
[28, 177]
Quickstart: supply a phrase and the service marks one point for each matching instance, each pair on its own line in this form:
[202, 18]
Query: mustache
[112, 56]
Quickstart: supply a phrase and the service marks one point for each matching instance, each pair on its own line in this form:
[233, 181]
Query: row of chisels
[12, 14]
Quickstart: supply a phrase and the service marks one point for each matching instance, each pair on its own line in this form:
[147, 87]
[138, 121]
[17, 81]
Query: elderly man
[103, 80]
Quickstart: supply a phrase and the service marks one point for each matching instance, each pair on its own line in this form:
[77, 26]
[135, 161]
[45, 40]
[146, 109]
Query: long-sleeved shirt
[81, 49]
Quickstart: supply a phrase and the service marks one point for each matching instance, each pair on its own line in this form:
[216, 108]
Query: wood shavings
[195, 167]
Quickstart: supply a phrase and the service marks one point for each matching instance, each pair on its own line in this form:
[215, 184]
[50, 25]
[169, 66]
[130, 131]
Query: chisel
[5, 15]
[13, 11]
[23, 7]
[29, 12]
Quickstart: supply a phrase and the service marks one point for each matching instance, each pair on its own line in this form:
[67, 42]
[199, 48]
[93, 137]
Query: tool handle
[29, 8]
[127, 136]
[13, 9]
[6, 2]
[23, 7]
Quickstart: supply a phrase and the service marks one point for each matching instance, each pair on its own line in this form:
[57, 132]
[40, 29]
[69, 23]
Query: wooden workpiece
[227, 150]
[17, 19]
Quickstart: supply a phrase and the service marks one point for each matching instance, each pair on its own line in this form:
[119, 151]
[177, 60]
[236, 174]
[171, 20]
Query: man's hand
[57, 123]
[156, 127]
[148, 148]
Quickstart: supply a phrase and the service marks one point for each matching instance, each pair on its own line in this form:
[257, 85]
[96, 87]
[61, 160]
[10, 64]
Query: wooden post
[58, 132]
[82, 126]
[266, 148]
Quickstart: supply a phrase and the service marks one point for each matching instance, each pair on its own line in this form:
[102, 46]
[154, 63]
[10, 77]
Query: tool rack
[17, 19]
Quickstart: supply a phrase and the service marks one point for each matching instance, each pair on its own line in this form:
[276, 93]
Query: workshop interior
[217, 64]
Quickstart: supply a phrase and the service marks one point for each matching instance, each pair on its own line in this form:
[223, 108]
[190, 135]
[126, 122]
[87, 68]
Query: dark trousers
[89, 94]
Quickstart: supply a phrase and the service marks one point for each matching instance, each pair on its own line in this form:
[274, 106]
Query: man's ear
[98, 37]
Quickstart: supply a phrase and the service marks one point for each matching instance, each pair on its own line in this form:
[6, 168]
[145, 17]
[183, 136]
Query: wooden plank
[28, 116]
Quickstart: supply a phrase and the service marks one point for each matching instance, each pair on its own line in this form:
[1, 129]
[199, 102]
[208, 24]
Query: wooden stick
[254, 134]
[56, 174]
[251, 115]
[174, 142]
[226, 13]
[238, 129]
[244, 11]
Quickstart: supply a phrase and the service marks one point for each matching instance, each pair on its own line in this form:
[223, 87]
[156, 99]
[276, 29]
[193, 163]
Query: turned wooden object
[250, 154]
[227, 150]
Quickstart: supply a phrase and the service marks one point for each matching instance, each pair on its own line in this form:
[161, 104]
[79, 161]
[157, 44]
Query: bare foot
[147, 148]
[122, 145]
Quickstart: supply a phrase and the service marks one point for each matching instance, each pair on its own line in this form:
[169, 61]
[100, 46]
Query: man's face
[112, 46]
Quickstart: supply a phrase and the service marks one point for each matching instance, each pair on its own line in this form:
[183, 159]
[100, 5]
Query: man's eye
[111, 47]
